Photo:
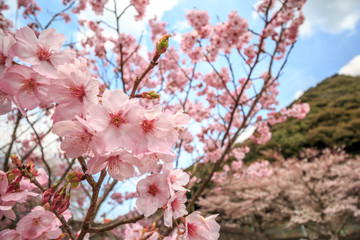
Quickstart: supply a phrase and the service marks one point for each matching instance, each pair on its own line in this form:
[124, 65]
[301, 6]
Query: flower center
[30, 86]
[175, 205]
[153, 190]
[78, 92]
[86, 137]
[192, 230]
[117, 119]
[44, 53]
[2, 59]
[3, 97]
[147, 126]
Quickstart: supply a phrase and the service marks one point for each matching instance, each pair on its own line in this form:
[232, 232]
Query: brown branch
[57, 14]
[152, 64]
[106, 193]
[91, 212]
[13, 138]
[113, 224]
[23, 158]
[41, 150]
[88, 177]
[67, 169]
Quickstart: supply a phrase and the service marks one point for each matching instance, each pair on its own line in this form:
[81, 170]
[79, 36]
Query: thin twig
[13, 138]
[113, 224]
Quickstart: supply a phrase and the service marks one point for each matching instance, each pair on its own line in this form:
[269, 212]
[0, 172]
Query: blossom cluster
[124, 135]
[38, 224]
[14, 188]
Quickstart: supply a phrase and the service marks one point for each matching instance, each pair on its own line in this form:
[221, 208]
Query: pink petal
[67, 128]
[98, 117]
[45, 68]
[96, 164]
[49, 37]
[62, 57]
[114, 99]
[28, 36]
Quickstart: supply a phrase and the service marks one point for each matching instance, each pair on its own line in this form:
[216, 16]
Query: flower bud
[56, 203]
[161, 46]
[64, 205]
[47, 195]
[75, 176]
[15, 160]
[150, 95]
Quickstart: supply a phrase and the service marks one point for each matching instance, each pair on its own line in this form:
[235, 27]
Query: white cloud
[246, 134]
[351, 68]
[298, 94]
[335, 16]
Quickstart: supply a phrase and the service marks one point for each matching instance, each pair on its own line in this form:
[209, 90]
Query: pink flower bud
[56, 203]
[47, 195]
[64, 205]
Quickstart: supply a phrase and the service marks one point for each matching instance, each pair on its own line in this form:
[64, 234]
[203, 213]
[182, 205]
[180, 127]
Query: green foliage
[334, 120]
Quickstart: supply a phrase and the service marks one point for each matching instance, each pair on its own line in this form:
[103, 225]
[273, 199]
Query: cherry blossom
[78, 139]
[155, 130]
[153, 194]
[28, 88]
[197, 227]
[43, 52]
[113, 117]
[74, 90]
[39, 223]
[120, 164]
[6, 42]
[175, 208]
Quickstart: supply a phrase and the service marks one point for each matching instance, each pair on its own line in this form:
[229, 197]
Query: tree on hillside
[320, 191]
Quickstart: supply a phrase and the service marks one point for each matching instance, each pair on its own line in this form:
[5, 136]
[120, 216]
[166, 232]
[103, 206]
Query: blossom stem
[13, 138]
[152, 64]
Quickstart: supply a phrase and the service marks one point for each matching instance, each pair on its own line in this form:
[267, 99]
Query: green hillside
[334, 120]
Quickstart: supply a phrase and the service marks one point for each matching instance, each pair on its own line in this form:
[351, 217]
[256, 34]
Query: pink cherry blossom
[74, 90]
[10, 196]
[140, 6]
[98, 6]
[6, 41]
[177, 179]
[150, 160]
[156, 130]
[6, 209]
[112, 118]
[10, 234]
[28, 87]
[137, 231]
[43, 52]
[120, 164]
[153, 194]
[198, 228]
[78, 139]
[39, 223]
[175, 208]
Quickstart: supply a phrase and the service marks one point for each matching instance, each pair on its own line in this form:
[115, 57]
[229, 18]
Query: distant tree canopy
[334, 120]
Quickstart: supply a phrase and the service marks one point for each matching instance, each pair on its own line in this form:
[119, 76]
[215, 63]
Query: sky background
[329, 41]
